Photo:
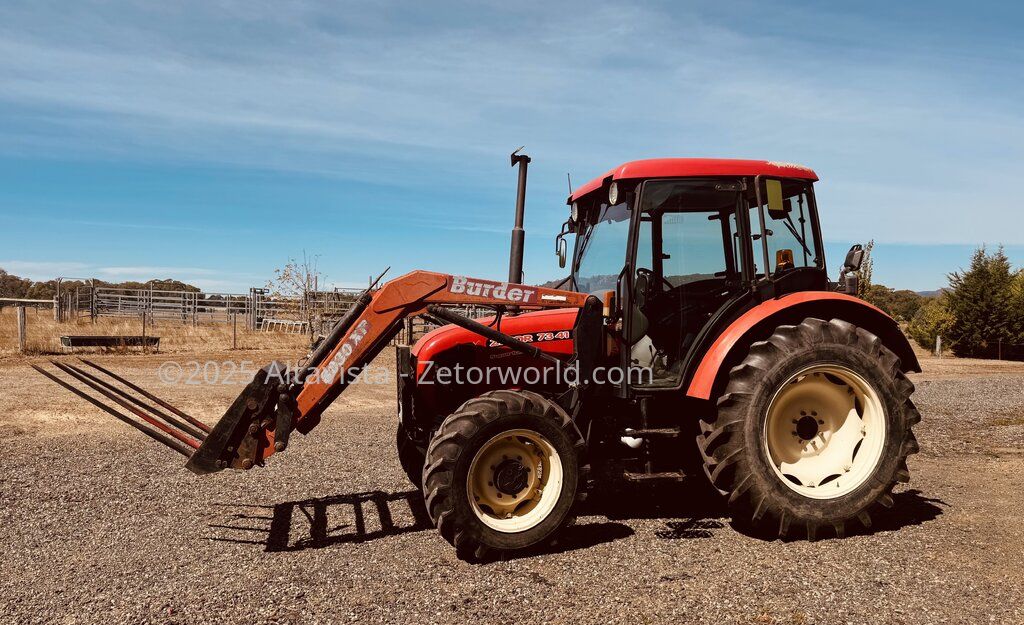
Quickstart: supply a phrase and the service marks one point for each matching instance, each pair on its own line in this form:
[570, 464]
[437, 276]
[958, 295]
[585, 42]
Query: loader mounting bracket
[249, 426]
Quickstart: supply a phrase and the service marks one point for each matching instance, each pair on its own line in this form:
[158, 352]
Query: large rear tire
[812, 432]
[503, 474]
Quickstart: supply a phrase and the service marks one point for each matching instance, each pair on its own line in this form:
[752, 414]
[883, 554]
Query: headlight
[613, 193]
[574, 212]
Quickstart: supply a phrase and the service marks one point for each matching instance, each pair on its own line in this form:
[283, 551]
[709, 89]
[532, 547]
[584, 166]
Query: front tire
[813, 431]
[503, 473]
[410, 456]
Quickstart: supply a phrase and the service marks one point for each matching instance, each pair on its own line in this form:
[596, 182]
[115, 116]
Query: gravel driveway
[98, 524]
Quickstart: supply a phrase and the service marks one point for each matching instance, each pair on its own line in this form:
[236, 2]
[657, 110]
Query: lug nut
[251, 404]
[247, 464]
[279, 446]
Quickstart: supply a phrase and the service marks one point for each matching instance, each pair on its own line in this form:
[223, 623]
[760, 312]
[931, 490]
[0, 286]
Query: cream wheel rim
[514, 481]
[825, 431]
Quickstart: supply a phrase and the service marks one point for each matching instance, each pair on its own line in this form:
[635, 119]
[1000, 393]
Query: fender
[793, 308]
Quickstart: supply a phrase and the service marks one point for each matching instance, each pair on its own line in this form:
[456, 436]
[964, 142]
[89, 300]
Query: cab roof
[693, 167]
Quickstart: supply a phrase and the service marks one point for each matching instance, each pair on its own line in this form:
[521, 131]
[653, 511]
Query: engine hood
[551, 330]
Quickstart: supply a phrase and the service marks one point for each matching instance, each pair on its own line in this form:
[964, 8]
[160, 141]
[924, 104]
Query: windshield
[790, 232]
[602, 249]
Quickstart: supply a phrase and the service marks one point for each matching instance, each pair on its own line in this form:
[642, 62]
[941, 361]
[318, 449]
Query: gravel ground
[98, 524]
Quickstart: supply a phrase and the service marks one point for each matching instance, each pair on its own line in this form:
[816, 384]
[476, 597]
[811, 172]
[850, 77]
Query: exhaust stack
[515, 261]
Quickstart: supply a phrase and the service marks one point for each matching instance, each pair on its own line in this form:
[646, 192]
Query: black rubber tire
[453, 448]
[410, 456]
[732, 444]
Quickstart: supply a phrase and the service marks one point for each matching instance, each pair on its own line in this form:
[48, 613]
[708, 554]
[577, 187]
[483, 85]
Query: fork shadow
[324, 521]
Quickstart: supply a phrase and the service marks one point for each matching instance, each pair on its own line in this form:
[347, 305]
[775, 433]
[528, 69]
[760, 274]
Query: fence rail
[260, 310]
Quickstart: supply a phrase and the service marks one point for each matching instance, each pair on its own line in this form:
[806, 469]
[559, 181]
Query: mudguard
[758, 322]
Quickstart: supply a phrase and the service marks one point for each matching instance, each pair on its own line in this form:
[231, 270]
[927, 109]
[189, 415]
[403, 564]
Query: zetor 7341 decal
[760, 373]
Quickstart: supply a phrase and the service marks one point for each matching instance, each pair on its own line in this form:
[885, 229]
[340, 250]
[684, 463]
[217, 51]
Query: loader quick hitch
[257, 424]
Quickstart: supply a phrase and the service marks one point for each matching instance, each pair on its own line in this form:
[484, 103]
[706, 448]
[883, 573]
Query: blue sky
[211, 141]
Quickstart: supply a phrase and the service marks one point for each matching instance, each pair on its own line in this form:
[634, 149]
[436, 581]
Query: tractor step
[665, 476]
[652, 432]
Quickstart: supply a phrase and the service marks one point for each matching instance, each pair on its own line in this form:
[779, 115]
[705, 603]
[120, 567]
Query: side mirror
[560, 250]
[854, 258]
[777, 208]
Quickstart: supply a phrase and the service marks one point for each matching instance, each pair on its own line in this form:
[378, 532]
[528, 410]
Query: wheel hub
[510, 477]
[514, 480]
[806, 427]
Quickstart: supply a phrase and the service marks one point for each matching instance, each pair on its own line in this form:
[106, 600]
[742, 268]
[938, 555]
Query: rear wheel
[503, 473]
[813, 431]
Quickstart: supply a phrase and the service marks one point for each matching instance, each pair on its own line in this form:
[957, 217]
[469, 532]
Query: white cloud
[913, 137]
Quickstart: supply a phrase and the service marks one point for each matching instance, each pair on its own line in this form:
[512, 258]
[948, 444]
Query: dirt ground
[98, 524]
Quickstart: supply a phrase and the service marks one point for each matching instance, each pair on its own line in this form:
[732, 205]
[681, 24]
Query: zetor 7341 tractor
[697, 330]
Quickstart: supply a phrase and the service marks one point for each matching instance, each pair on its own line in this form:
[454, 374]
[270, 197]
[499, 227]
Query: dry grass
[43, 334]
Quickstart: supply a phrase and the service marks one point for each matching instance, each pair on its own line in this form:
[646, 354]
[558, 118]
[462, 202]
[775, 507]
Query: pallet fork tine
[157, 436]
[196, 422]
[181, 425]
[75, 373]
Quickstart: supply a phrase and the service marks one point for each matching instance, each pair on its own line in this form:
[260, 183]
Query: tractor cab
[672, 244]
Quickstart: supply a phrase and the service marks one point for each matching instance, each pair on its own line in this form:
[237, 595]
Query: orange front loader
[260, 420]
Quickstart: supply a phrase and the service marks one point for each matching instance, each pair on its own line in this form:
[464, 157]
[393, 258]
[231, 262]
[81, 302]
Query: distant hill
[931, 293]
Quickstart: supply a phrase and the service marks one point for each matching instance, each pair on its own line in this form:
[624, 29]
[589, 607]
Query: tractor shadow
[365, 517]
[909, 508]
[694, 510]
[689, 510]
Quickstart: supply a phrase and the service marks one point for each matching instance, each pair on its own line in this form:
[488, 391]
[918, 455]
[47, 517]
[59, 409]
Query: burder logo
[495, 290]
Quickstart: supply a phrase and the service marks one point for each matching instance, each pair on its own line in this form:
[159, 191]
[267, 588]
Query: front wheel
[503, 473]
[813, 430]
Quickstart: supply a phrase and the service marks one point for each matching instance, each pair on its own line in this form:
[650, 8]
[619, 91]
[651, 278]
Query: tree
[867, 268]
[980, 302]
[901, 305]
[931, 321]
[300, 280]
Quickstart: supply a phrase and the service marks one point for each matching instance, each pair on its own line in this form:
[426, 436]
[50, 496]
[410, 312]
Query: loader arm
[259, 422]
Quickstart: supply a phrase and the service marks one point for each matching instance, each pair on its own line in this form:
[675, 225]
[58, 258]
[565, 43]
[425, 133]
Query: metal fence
[258, 310]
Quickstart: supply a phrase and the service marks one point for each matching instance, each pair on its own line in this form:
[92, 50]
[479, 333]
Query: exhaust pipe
[515, 262]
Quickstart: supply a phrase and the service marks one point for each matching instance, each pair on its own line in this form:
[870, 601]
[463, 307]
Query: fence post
[21, 328]
[234, 330]
[938, 346]
[1000, 352]
[56, 308]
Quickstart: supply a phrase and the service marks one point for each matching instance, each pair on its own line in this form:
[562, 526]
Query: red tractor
[697, 320]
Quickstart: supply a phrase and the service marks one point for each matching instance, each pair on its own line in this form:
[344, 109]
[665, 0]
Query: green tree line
[23, 288]
[979, 315]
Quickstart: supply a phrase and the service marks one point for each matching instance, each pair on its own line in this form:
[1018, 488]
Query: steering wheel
[650, 280]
